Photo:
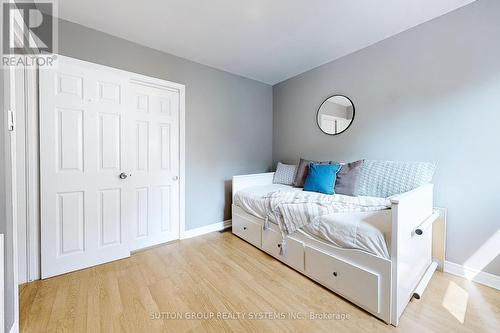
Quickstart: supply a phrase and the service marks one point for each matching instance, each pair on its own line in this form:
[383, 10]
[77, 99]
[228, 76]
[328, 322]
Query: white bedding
[252, 201]
[367, 231]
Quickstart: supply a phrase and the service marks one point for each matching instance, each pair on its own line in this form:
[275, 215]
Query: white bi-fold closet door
[153, 154]
[109, 164]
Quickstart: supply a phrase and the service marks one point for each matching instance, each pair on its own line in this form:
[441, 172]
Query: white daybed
[380, 285]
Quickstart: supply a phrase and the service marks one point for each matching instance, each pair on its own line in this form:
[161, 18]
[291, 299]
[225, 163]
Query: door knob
[123, 175]
[175, 177]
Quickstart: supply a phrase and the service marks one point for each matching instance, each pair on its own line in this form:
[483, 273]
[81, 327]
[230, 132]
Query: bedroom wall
[228, 117]
[431, 93]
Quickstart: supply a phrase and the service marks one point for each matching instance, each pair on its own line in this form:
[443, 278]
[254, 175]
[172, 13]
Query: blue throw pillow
[321, 178]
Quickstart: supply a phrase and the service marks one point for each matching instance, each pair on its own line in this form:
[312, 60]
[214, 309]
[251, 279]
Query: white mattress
[367, 231]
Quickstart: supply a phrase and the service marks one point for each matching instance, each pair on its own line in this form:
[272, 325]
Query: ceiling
[266, 40]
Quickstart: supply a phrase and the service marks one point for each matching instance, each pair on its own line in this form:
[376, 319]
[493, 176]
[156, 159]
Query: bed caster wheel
[335, 274]
[244, 228]
[279, 245]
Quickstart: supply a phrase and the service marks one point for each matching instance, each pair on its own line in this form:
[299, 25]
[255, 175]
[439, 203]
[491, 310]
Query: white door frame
[9, 140]
[28, 156]
[32, 169]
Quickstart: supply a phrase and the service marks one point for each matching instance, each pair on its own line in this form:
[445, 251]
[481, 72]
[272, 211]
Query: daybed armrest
[409, 211]
[244, 181]
[420, 192]
[410, 253]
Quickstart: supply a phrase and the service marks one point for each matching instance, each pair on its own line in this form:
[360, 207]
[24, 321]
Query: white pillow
[285, 174]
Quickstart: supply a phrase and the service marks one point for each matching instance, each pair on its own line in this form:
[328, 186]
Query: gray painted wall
[428, 94]
[228, 117]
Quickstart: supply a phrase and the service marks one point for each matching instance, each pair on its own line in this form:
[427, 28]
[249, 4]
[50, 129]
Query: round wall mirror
[335, 114]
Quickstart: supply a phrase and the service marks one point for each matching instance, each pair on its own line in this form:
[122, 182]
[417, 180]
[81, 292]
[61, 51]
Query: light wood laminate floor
[219, 274]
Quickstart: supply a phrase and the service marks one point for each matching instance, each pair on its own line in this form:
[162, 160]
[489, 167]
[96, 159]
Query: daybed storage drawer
[294, 250]
[352, 282]
[246, 229]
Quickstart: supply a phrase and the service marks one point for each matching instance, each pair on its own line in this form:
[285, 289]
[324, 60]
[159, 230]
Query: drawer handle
[335, 274]
[244, 228]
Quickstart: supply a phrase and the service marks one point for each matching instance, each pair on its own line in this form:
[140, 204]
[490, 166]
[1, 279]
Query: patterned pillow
[285, 174]
[386, 178]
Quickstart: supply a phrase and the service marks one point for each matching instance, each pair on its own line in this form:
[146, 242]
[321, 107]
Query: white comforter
[361, 231]
[297, 209]
[251, 199]
[357, 229]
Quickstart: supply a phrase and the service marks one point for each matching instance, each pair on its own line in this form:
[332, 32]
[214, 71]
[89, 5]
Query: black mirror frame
[353, 114]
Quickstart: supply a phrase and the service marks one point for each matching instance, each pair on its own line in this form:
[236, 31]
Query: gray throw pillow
[285, 174]
[303, 170]
[348, 178]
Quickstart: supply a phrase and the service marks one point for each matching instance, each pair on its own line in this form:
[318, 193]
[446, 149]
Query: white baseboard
[473, 274]
[206, 229]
